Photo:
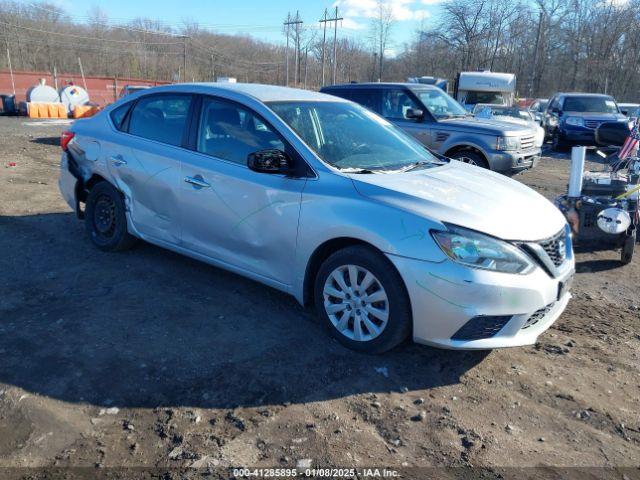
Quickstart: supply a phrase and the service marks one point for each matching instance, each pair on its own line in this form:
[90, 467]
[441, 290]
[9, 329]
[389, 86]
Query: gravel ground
[150, 359]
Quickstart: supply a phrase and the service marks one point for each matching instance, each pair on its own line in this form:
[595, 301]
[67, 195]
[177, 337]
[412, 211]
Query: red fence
[102, 90]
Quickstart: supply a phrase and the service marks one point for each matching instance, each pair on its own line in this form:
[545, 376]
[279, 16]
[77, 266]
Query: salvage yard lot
[148, 358]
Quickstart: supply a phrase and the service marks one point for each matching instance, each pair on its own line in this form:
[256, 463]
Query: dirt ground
[150, 359]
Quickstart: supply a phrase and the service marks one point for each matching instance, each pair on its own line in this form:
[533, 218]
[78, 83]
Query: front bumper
[514, 161]
[584, 137]
[446, 296]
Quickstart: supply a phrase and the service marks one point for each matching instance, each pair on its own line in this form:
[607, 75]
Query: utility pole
[292, 21]
[184, 58]
[335, 36]
[213, 70]
[323, 21]
[306, 59]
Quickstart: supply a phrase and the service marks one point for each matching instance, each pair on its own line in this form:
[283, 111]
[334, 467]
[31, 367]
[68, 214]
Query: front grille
[527, 142]
[537, 316]
[556, 247]
[592, 123]
[482, 326]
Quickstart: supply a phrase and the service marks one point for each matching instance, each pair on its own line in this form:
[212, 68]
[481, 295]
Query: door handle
[118, 161]
[198, 182]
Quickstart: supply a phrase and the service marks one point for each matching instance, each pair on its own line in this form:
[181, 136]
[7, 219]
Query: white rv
[485, 87]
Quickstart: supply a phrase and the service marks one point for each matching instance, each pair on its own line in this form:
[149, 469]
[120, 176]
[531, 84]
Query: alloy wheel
[468, 160]
[356, 303]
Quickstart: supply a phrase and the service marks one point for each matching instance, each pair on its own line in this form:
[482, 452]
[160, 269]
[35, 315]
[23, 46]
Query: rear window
[162, 118]
[118, 115]
[590, 105]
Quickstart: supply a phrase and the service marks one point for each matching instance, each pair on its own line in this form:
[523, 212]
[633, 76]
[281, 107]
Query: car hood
[483, 126]
[595, 116]
[469, 197]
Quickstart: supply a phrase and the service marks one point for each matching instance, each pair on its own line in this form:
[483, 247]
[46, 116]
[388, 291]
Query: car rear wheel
[472, 158]
[362, 299]
[105, 219]
[628, 248]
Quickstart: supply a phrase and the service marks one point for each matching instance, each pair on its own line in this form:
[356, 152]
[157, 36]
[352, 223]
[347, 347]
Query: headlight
[575, 121]
[507, 143]
[553, 121]
[481, 251]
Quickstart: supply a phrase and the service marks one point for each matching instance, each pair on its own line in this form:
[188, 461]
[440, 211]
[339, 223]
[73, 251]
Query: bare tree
[380, 30]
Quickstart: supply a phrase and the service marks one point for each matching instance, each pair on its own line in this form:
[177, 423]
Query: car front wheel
[472, 158]
[362, 299]
[105, 219]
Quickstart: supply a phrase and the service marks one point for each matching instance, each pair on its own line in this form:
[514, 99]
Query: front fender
[482, 146]
[333, 209]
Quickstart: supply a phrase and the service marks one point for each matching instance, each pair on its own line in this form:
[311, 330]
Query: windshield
[439, 104]
[503, 111]
[350, 137]
[472, 98]
[590, 105]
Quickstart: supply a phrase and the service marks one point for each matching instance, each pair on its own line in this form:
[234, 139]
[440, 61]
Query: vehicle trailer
[485, 87]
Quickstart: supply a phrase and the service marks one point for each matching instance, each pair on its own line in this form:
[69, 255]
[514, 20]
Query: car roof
[263, 93]
[578, 94]
[413, 86]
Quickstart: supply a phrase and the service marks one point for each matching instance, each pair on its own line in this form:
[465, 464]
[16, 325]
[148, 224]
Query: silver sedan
[323, 199]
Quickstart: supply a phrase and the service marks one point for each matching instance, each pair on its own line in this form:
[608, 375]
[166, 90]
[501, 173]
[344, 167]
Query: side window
[160, 117]
[118, 114]
[367, 98]
[231, 132]
[395, 103]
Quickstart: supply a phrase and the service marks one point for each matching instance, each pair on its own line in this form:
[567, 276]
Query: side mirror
[269, 161]
[414, 114]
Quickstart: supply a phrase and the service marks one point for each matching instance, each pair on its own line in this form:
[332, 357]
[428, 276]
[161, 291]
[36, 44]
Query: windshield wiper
[412, 166]
[355, 170]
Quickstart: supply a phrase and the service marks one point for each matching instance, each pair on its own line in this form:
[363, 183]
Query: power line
[85, 37]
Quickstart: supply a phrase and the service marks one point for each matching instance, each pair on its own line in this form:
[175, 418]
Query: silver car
[323, 199]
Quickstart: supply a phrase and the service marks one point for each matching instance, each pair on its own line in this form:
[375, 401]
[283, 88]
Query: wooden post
[13, 83]
[84, 81]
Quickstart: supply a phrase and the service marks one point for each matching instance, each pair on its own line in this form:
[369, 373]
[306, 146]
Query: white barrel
[73, 95]
[578, 155]
[42, 94]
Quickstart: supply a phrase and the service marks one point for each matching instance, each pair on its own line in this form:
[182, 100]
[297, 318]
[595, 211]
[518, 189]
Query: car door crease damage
[220, 173]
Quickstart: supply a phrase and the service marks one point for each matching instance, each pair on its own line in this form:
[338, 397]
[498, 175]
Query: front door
[229, 212]
[395, 104]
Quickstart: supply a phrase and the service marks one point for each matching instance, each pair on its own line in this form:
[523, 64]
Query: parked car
[516, 115]
[444, 126]
[628, 109]
[572, 118]
[538, 109]
[325, 200]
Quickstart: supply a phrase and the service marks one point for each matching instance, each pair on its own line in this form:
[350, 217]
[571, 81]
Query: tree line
[551, 45]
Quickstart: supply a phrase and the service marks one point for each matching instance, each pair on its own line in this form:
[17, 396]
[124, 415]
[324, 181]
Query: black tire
[556, 144]
[105, 219]
[471, 158]
[628, 247]
[398, 326]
